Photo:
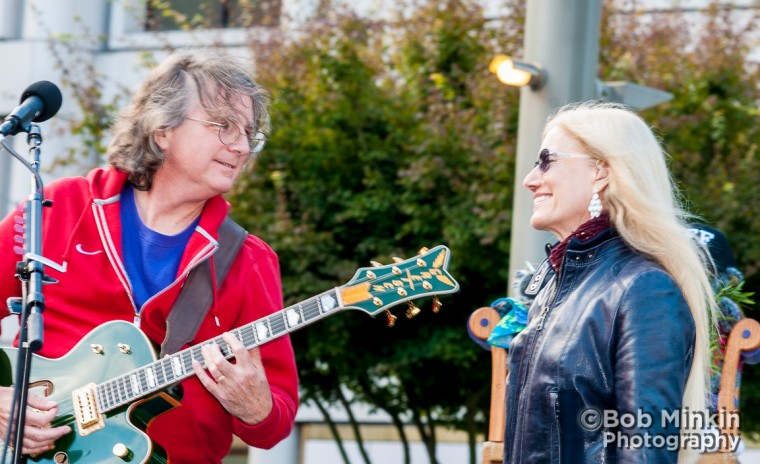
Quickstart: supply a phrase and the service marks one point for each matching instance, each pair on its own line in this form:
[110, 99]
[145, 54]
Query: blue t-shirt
[151, 259]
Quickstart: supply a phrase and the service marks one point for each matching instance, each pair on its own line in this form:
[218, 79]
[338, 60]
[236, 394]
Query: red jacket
[82, 231]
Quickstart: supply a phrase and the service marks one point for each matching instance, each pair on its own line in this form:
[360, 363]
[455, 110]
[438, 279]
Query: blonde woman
[615, 354]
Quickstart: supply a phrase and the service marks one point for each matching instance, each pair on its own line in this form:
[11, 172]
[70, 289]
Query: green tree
[710, 128]
[390, 136]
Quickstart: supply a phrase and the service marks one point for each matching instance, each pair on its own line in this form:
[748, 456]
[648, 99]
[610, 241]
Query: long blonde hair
[644, 206]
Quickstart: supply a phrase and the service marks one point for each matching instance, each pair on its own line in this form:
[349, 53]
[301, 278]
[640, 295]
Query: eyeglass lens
[229, 133]
[544, 160]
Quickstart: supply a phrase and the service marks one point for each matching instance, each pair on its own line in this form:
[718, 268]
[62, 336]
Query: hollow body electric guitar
[120, 386]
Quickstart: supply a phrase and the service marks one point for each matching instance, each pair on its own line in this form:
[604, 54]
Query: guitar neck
[174, 368]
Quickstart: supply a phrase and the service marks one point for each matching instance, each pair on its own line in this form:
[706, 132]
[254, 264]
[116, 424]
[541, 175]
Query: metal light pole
[563, 36]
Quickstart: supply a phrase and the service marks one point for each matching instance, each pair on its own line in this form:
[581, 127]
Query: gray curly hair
[163, 101]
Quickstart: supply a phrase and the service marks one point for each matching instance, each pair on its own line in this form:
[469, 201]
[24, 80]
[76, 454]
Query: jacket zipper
[546, 308]
[544, 313]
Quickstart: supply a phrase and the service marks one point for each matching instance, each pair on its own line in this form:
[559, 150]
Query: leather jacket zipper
[544, 313]
[546, 308]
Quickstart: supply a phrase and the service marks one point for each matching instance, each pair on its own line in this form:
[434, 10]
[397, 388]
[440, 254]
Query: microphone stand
[31, 273]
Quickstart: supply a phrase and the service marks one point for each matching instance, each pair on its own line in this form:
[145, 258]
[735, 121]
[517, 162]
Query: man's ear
[159, 137]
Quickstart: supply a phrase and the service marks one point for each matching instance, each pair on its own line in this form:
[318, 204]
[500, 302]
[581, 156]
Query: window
[172, 15]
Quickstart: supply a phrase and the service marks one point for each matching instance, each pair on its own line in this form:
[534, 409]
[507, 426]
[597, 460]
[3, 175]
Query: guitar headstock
[378, 288]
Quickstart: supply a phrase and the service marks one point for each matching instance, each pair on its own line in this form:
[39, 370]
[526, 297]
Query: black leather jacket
[611, 332]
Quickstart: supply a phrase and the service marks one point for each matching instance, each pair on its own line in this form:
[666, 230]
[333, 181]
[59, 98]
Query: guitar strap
[195, 298]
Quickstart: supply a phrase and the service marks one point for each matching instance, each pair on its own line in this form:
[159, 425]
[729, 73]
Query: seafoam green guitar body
[110, 351]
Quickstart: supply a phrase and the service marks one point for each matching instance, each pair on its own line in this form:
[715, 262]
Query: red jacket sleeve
[263, 278]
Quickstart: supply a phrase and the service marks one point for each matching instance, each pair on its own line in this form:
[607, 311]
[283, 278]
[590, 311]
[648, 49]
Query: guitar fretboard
[171, 369]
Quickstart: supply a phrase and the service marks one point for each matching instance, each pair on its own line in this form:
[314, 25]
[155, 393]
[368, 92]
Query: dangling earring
[595, 206]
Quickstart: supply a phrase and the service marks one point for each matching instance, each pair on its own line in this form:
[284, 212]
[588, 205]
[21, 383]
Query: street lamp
[520, 73]
[517, 73]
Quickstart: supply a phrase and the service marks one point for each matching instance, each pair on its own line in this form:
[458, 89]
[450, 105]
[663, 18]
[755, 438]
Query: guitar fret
[150, 376]
[176, 366]
[319, 306]
[247, 336]
[268, 321]
[223, 346]
[125, 386]
[107, 395]
[100, 396]
[277, 326]
[187, 364]
[120, 396]
[114, 392]
[312, 310]
[164, 378]
[237, 334]
[134, 383]
[300, 310]
[198, 355]
[142, 374]
[284, 315]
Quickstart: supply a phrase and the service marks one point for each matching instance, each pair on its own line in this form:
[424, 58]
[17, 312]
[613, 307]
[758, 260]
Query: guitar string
[118, 391]
[276, 326]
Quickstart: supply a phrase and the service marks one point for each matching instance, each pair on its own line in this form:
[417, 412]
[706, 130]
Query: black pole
[31, 273]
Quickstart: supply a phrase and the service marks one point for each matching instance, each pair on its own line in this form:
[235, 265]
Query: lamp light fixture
[516, 73]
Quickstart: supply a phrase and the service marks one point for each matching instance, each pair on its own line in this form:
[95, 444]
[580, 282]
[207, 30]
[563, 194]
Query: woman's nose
[531, 180]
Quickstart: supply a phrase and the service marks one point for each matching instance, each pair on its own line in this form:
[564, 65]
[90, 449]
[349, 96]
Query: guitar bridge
[85, 403]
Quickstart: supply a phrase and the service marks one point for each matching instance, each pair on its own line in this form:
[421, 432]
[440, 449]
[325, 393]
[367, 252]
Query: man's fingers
[38, 440]
[255, 354]
[38, 418]
[40, 403]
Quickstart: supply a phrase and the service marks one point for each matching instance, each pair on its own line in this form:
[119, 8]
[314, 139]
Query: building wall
[114, 44]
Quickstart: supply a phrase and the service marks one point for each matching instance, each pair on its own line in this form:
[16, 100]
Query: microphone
[39, 102]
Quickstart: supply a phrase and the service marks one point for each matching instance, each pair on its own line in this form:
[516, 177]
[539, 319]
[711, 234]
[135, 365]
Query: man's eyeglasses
[546, 158]
[229, 133]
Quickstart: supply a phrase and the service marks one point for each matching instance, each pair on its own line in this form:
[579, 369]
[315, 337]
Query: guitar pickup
[85, 403]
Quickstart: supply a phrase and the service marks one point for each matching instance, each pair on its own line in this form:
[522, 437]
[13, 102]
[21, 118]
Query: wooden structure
[744, 336]
[482, 321]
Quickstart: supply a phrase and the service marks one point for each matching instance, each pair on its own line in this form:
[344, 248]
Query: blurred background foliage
[391, 134]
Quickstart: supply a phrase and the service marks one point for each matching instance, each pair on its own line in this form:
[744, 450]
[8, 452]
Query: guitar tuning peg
[396, 259]
[391, 319]
[436, 304]
[375, 264]
[412, 310]
[423, 250]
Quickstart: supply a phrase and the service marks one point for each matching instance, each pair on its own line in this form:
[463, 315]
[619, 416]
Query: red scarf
[585, 232]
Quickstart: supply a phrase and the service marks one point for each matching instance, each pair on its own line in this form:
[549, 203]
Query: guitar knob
[121, 451]
[396, 259]
[376, 264]
[423, 250]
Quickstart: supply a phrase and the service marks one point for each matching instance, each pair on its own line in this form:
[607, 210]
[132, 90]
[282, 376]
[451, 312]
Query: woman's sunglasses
[546, 158]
